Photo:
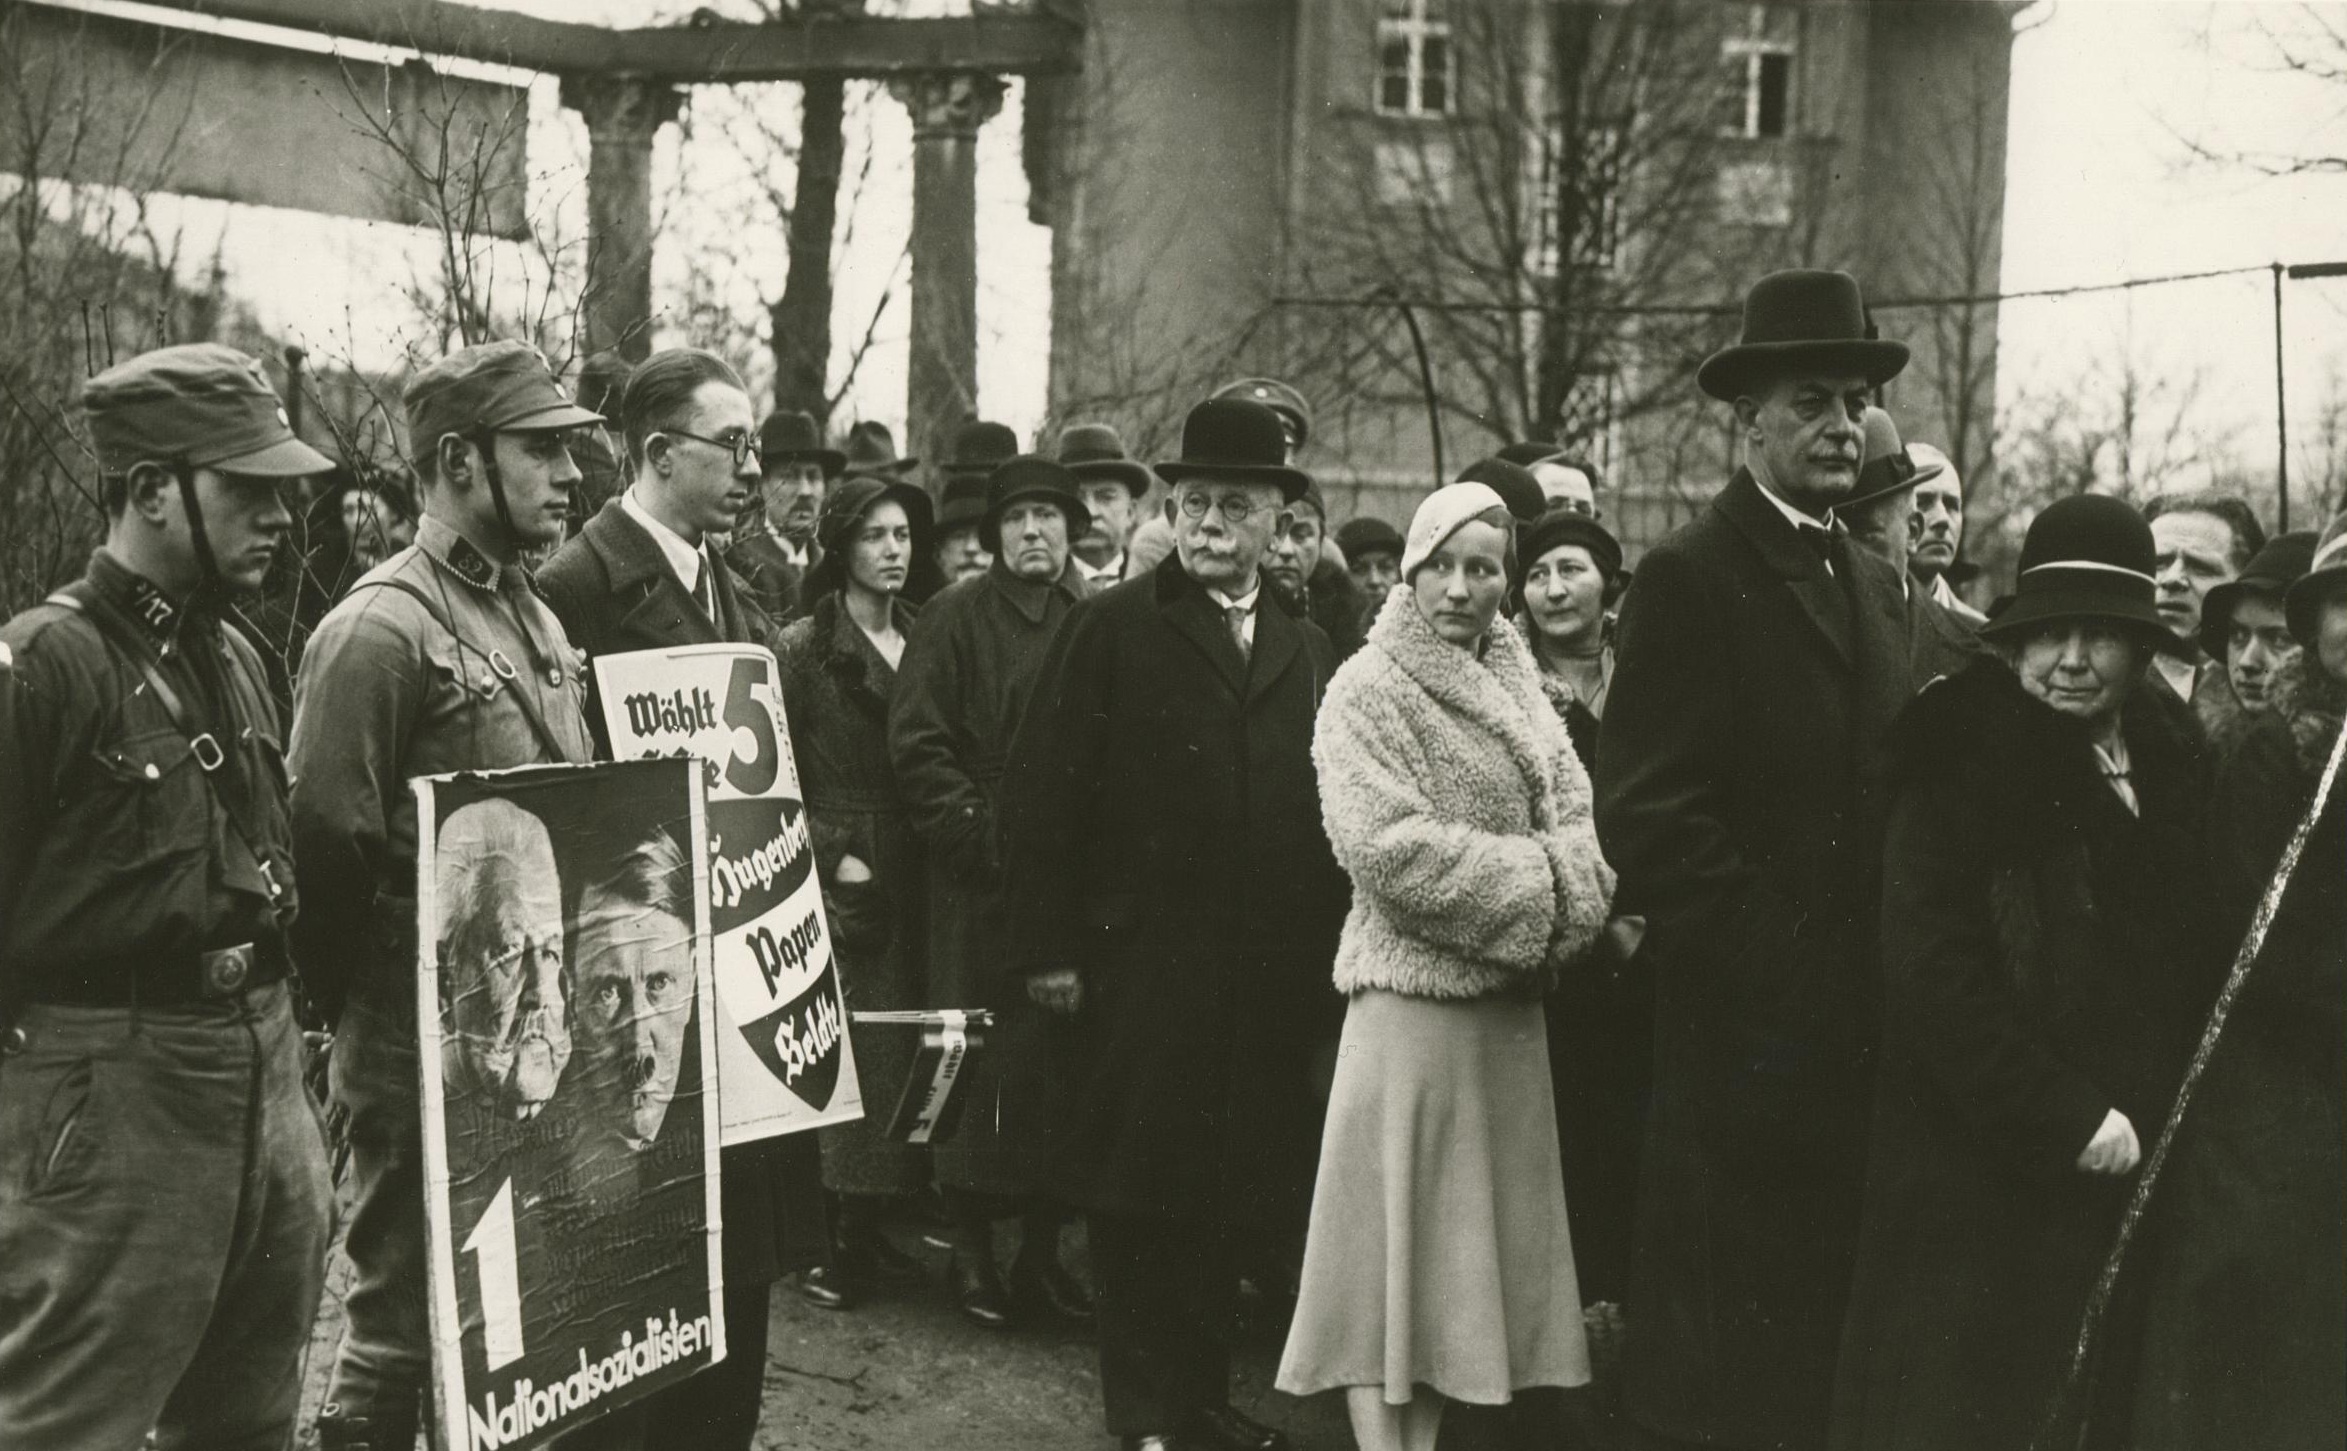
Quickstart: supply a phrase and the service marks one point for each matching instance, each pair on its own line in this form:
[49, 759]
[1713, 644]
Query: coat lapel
[1780, 548]
[1278, 640]
[662, 612]
[1188, 609]
[1885, 645]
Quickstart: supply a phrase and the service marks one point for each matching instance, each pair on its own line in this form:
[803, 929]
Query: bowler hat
[871, 449]
[1885, 466]
[201, 404]
[792, 437]
[1514, 484]
[1801, 319]
[1032, 476]
[1367, 535]
[979, 448]
[1236, 439]
[962, 505]
[2271, 572]
[1276, 396]
[844, 508]
[2086, 556]
[2324, 580]
[1096, 451]
[488, 387]
[1570, 526]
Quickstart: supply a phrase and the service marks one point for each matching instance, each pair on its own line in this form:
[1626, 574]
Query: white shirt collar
[1239, 602]
[1792, 515]
[684, 560]
[1113, 569]
[2181, 675]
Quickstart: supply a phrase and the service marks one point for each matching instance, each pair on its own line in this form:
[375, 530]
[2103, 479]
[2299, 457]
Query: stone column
[942, 382]
[622, 114]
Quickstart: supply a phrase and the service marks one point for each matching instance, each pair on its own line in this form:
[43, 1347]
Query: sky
[2110, 99]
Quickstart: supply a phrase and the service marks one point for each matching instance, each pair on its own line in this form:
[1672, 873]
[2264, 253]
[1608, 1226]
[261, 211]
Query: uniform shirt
[389, 693]
[117, 847]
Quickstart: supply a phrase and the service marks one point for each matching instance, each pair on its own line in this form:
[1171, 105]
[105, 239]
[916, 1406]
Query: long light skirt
[1438, 1253]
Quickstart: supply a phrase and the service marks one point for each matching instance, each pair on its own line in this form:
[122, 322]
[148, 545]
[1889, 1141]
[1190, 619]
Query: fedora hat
[2324, 580]
[978, 447]
[844, 508]
[1096, 451]
[1032, 476]
[1237, 439]
[1276, 396]
[871, 449]
[2087, 556]
[1885, 466]
[792, 437]
[963, 505]
[1801, 319]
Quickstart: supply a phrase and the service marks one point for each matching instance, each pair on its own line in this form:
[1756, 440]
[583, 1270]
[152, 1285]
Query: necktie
[704, 595]
[1236, 618]
[1820, 542]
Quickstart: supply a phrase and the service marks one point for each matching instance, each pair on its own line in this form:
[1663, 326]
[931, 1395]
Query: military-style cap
[488, 387]
[202, 404]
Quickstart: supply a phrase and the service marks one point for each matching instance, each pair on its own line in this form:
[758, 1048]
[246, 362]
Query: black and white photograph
[1173, 725]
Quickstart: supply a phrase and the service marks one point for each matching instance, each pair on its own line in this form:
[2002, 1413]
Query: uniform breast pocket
[149, 801]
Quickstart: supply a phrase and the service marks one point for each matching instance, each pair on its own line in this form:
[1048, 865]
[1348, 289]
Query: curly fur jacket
[1454, 799]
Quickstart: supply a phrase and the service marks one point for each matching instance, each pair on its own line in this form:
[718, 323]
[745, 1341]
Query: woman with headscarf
[1439, 1265]
[839, 664]
[2047, 953]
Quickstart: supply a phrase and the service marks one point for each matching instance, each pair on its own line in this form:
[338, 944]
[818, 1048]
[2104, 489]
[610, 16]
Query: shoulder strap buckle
[207, 752]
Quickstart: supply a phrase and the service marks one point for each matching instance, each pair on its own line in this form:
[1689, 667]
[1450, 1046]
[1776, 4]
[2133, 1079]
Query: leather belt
[180, 980]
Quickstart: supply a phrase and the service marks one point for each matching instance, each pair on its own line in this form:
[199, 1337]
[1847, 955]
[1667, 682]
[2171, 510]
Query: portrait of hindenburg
[506, 1035]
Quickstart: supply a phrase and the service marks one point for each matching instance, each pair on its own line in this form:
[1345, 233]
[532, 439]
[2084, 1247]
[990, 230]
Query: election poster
[566, 1027]
[783, 1056]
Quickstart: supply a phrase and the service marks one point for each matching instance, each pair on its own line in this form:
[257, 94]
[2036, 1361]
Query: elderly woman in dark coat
[2246, 1339]
[2046, 953]
[839, 665]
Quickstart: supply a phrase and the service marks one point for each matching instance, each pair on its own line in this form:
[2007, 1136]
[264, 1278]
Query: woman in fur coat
[2047, 957]
[1439, 1265]
[839, 664]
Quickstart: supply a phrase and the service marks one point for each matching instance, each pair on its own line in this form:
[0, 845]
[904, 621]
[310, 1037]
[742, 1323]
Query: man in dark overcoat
[1171, 895]
[1881, 519]
[641, 576]
[1761, 658]
[968, 665]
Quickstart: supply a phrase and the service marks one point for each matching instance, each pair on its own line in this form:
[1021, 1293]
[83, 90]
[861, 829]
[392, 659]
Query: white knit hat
[1440, 517]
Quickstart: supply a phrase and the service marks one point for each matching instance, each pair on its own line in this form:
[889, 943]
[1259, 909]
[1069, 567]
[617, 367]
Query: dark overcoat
[613, 591]
[2047, 955]
[1162, 833]
[772, 577]
[2245, 1341]
[1735, 795]
[968, 666]
[1938, 641]
[836, 689]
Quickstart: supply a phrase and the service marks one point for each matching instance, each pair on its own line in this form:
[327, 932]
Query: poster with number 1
[566, 1026]
[784, 1064]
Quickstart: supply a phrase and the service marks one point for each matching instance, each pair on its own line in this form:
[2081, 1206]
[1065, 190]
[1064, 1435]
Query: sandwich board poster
[783, 1057]
[564, 1017]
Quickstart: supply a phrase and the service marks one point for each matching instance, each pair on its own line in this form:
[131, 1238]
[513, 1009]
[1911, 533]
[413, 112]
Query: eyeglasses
[743, 446]
[1235, 507]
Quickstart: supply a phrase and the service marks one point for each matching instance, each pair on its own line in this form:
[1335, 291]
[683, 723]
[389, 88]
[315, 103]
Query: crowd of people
[1729, 1005]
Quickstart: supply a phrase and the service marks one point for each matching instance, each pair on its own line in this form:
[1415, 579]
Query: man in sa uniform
[164, 1196]
[442, 658]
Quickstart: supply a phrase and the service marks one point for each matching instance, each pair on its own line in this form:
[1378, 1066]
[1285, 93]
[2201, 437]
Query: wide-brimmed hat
[1368, 535]
[2271, 572]
[2326, 576]
[1276, 396]
[1032, 476]
[1235, 438]
[871, 449]
[1514, 484]
[1801, 319]
[792, 437]
[1885, 467]
[2087, 556]
[1096, 451]
[978, 447]
[1570, 526]
[962, 505]
[1440, 515]
[844, 509]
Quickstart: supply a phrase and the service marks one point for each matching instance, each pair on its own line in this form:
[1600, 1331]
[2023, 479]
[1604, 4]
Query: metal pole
[2281, 418]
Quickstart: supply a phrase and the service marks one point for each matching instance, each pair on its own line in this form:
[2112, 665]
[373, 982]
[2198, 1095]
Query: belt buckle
[227, 970]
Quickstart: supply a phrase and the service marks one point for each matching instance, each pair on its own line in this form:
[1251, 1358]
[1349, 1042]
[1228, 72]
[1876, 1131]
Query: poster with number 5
[565, 1020]
[784, 1064]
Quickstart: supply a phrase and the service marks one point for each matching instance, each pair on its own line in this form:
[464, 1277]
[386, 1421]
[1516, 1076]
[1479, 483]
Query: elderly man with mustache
[506, 1038]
